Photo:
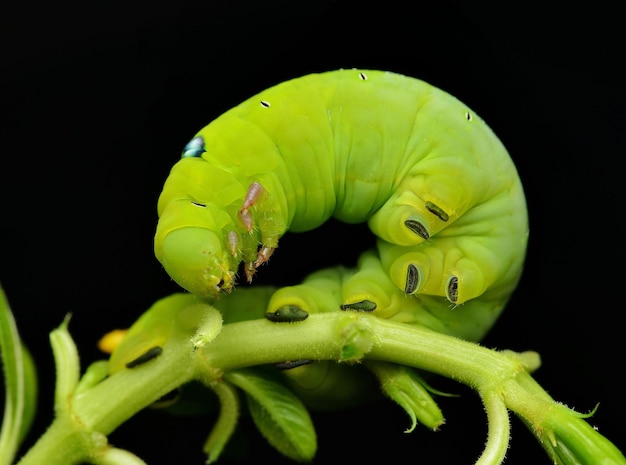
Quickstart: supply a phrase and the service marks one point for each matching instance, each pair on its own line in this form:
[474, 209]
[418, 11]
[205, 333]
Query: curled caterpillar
[433, 182]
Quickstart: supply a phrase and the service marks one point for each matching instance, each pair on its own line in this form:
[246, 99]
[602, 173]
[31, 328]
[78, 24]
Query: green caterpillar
[430, 178]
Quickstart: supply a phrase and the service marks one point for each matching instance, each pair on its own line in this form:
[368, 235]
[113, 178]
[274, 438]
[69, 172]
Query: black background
[97, 100]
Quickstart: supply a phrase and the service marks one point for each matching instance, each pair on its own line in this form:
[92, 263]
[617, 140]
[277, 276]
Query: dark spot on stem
[289, 364]
[150, 354]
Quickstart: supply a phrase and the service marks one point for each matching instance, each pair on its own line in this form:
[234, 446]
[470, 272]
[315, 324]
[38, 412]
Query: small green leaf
[498, 428]
[226, 422]
[570, 440]
[30, 393]
[405, 387]
[67, 365]
[21, 385]
[280, 416]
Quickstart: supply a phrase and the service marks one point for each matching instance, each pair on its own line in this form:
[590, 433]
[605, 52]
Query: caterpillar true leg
[264, 255]
[233, 243]
[254, 194]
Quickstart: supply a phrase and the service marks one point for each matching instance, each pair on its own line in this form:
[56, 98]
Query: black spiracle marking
[150, 354]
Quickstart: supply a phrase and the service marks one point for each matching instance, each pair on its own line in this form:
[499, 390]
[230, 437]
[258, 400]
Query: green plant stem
[499, 429]
[500, 377]
[107, 405]
[110, 403]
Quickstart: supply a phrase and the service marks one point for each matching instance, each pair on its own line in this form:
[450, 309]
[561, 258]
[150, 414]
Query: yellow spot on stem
[109, 342]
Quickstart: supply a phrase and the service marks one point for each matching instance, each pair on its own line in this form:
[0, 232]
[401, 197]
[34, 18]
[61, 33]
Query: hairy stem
[501, 378]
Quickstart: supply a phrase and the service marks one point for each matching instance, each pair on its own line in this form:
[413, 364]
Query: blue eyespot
[194, 149]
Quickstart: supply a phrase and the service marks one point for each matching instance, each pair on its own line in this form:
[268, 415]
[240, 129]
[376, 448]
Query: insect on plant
[431, 179]
[444, 201]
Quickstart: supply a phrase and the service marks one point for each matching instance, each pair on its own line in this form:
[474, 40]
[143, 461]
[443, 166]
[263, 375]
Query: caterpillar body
[430, 178]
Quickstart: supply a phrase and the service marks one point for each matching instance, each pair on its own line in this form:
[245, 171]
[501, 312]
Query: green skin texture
[360, 146]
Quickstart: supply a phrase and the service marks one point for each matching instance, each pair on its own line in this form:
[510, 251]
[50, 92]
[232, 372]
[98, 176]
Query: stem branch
[501, 378]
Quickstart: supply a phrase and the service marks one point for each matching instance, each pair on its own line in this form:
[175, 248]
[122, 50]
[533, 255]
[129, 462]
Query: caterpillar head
[192, 235]
[192, 251]
[214, 214]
